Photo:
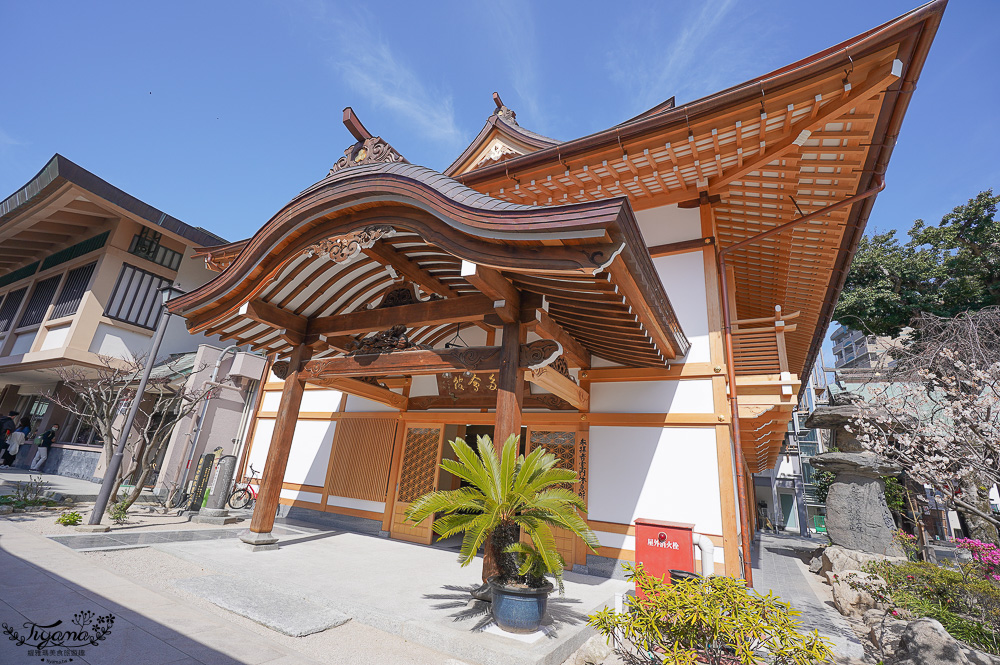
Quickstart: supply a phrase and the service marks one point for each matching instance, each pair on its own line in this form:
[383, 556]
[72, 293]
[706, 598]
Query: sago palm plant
[505, 495]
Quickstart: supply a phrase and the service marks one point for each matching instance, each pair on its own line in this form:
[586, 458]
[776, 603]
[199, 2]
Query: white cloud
[513, 27]
[6, 140]
[685, 56]
[381, 75]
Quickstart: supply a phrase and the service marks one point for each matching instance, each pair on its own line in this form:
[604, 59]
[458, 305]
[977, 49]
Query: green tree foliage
[706, 620]
[505, 495]
[945, 269]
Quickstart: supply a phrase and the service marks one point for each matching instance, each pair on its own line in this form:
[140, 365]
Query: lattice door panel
[562, 444]
[418, 475]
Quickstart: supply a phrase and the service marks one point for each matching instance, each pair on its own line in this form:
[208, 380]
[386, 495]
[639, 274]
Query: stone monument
[857, 516]
[215, 511]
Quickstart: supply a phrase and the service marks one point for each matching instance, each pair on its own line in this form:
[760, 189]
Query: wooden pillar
[259, 537]
[510, 384]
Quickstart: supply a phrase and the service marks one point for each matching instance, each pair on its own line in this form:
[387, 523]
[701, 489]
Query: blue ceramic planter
[519, 610]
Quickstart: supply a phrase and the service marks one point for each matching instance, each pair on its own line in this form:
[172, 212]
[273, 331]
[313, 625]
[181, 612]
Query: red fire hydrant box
[664, 546]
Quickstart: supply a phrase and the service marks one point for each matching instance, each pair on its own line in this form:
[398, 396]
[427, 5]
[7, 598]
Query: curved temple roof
[341, 243]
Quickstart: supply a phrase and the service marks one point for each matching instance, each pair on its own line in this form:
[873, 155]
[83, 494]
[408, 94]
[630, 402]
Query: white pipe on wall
[707, 548]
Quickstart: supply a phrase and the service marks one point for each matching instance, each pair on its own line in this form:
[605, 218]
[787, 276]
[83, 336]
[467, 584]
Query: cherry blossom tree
[934, 409]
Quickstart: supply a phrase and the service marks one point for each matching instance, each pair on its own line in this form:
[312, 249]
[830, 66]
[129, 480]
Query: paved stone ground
[779, 566]
[415, 592]
[44, 582]
[119, 540]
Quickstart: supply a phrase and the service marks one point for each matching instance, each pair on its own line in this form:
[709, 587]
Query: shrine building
[640, 301]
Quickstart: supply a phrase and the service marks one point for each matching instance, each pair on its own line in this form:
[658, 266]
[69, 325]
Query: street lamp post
[115, 464]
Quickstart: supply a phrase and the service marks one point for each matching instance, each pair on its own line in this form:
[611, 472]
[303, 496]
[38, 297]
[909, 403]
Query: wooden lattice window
[361, 458]
[560, 444]
[420, 460]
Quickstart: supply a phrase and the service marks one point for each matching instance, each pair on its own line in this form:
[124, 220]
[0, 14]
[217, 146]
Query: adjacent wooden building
[641, 301]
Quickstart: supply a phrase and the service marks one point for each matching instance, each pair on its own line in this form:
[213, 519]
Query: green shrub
[118, 512]
[712, 619]
[71, 518]
[966, 604]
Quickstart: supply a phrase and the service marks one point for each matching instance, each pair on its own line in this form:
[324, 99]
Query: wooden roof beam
[420, 362]
[452, 310]
[560, 386]
[409, 268]
[506, 297]
[291, 327]
[366, 390]
[546, 327]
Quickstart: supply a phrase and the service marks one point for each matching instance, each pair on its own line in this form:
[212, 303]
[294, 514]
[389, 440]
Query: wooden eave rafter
[317, 272]
[816, 131]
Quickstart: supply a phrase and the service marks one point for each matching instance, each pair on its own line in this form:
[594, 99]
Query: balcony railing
[759, 344]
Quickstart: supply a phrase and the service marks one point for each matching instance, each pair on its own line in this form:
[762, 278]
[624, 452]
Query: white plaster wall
[301, 495]
[423, 385]
[320, 401]
[683, 277]
[357, 404]
[260, 443]
[668, 224]
[55, 337]
[271, 401]
[119, 343]
[668, 473]
[688, 396]
[356, 504]
[310, 453]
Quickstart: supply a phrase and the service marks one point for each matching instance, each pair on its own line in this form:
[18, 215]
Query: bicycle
[244, 497]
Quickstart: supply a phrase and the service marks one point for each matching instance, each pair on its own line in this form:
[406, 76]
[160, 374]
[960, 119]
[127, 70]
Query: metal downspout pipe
[731, 366]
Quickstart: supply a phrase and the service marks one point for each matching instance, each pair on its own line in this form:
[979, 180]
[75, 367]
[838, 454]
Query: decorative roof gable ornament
[503, 112]
[343, 248]
[496, 152]
[368, 149]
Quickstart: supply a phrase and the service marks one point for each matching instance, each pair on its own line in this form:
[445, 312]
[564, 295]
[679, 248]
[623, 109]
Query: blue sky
[219, 112]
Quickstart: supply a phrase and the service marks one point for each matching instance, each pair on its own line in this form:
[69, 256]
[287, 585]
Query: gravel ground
[139, 520]
[350, 643]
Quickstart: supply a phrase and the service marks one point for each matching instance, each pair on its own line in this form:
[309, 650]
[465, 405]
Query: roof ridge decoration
[503, 112]
[367, 150]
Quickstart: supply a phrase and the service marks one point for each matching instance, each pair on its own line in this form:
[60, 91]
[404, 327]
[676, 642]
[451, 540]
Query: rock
[856, 514]
[926, 642]
[591, 652]
[6, 509]
[816, 564]
[850, 601]
[979, 657]
[885, 631]
[836, 559]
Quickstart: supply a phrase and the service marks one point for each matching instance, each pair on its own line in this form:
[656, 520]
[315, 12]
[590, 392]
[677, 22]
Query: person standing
[48, 438]
[14, 441]
[7, 425]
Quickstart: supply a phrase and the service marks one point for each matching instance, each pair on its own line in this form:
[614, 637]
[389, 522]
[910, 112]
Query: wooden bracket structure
[367, 390]
[559, 385]
[546, 327]
[291, 327]
[506, 297]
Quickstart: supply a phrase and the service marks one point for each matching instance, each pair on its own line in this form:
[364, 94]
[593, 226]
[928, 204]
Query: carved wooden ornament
[342, 248]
